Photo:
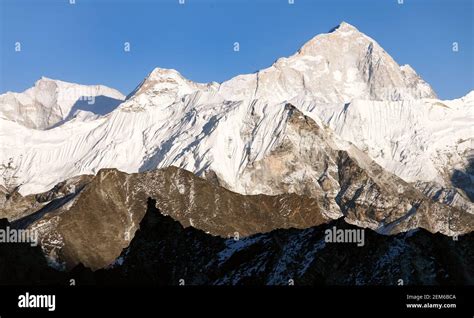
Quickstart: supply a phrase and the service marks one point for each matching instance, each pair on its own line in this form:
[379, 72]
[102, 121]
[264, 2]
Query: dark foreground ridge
[163, 252]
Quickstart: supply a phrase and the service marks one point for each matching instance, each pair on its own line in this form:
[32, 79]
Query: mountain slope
[267, 133]
[420, 141]
[174, 254]
[92, 224]
[225, 127]
[50, 102]
[95, 223]
[165, 253]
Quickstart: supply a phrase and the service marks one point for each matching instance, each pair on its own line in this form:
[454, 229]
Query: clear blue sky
[83, 43]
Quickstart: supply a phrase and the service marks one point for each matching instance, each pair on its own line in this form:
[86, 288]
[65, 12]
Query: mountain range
[164, 253]
[337, 131]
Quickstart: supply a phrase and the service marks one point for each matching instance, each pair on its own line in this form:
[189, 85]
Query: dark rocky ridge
[94, 226]
[164, 253]
[14, 206]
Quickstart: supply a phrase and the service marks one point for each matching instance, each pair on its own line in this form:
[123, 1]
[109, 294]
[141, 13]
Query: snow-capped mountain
[267, 133]
[336, 67]
[50, 102]
[425, 141]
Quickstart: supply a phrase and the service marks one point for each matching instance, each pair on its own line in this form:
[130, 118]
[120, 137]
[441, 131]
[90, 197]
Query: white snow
[414, 139]
[393, 115]
[50, 102]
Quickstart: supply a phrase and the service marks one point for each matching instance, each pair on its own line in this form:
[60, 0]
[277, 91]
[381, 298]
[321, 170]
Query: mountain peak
[344, 32]
[344, 26]
[164, 76]
[163, 86]
[161, 73]
[50, 102]
[51, 82]
[44, 79]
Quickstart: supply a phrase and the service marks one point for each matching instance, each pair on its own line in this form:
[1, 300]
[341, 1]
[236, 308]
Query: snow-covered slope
[228, 130]
[50, 102]
[415, 139]
[428, 141]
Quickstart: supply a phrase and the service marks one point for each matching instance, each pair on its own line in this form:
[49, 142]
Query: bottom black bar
[373, 301]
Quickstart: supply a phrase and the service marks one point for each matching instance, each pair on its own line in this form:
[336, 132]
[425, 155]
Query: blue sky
[84, 42]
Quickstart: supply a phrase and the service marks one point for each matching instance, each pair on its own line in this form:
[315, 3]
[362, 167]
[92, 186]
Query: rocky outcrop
[165, 253]
[101, 219]
[14, 206]
[94, 226]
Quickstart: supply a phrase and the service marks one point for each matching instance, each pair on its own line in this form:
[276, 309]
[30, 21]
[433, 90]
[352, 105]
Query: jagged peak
[343, 26]
[159, 73]
[169, 81]
[342, 32]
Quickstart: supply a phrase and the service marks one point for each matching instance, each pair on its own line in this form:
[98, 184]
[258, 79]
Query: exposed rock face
[14, 206]
[312, 175]
[309, 160]
[367, 206]
[303, 161]
[334, 67]
[23, 264]
[311, 178]
[424, 141]
[338, 130]
[163, 252]
[93, 225]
